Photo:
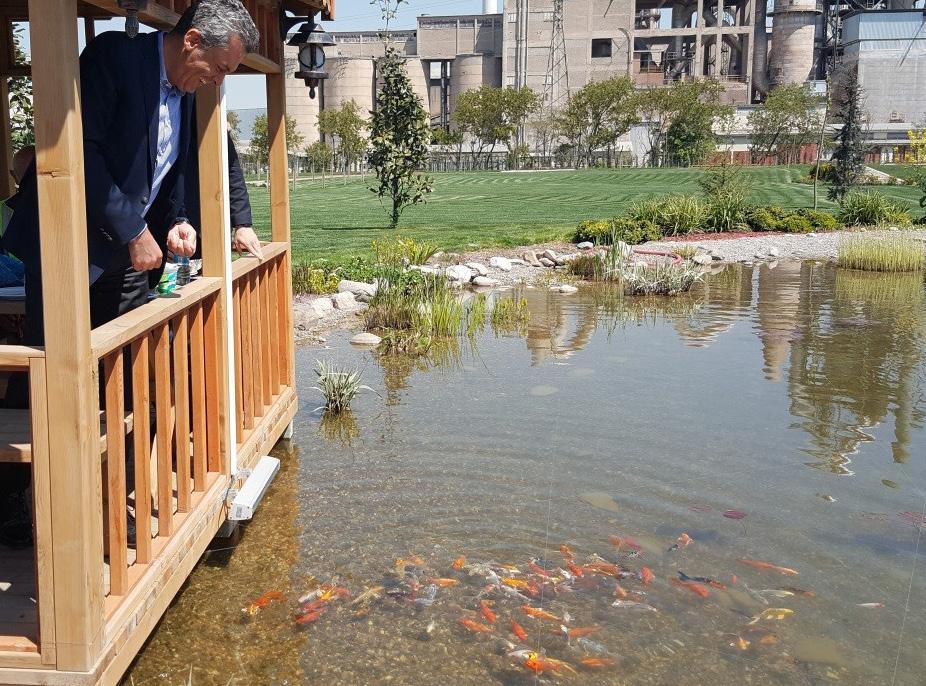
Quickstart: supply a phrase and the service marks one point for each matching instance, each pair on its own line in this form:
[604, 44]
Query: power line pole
[556, 80]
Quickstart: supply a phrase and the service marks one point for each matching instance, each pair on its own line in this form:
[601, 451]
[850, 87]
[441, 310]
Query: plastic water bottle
[183, 270]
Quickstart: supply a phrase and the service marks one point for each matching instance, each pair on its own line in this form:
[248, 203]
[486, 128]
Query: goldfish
[769, 640]
[334, 592]
[538, 613]
[475, 626]
[566, 551]
[776, 593]
[589, 646]
[444, 583]
[633, 605]
[369, 595]
[772, 613]
[537, 569]
[702, 580]
[759, 564]
[519, 584]
[459, 562]
[413, 561]
[487, 611]
[681, 542]
[261, 602]
[539, 663]
[596, 662]
[740, 643]
[518, 631]
[309, 617]
[620, 591]
[577, 631]
[870, 606]
[314, 605]
[646, 576]
[696, 588]
[603, 568]
[799, 591]
[574, 569]
[511, 569]
[627, 542]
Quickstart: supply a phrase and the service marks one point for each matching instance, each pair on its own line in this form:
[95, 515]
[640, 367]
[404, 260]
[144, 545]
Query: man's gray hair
[218, 21]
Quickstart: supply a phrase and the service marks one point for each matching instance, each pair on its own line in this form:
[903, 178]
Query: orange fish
[309, 617]
[459, 562]
[539, 663]
[519, 584]
[740, 643]
[268, 598]
[537, 613]
[444, 583]
[646, 575]
[566, 551]
[683, 540]
[537, 569]
[603, 568]
[335, 592]
[759, 564]
[620, 591]
[769, 640]
[596, 662]
[574, 569]
[627, 542]
[314, 605]
[518, 631]
[487, 612]
[694, 587]
[475, 626]
[578, 631]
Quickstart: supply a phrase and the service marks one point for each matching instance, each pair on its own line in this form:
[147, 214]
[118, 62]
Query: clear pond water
[793, 396]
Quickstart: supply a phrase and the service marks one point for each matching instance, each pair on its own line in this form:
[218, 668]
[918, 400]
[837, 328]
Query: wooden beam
[73, 435]
[279, 208]
[216, 249]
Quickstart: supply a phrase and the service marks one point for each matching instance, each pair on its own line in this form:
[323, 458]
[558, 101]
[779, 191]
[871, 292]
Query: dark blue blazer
[119, 93]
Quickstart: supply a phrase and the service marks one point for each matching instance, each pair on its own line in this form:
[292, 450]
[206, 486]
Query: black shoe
[16, 525]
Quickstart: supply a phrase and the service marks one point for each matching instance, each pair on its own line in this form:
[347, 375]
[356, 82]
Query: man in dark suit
[136, 110]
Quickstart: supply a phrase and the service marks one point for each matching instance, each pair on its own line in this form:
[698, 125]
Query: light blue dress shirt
[168, 145]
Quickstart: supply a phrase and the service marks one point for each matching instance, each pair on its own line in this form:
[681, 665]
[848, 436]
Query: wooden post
[216, 247]
[73, 420]
[279, 210]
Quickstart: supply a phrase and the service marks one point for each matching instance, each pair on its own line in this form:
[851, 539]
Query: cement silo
[350, 78]
[418, 73]
[794, 28]
[489, 7]
[466, 73]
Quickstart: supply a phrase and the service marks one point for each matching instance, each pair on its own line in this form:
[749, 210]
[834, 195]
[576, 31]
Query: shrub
[307, 279]
[673, 214]
[766, 218]
[395, 250]
[794, 222]
[820, 220]
[339, 386]
[587, 267]
[874, 254]
[727, 212]
[869, 208]
[626, 229]
[597, 231]
[772, 218]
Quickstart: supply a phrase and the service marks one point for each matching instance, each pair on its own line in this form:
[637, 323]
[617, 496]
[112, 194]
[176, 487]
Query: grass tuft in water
[660, 279]
[339, 386]
[686, 252]
[873, 254]
[510, 315]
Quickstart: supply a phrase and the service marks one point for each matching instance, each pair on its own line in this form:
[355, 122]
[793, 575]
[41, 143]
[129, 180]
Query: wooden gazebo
[213, 368]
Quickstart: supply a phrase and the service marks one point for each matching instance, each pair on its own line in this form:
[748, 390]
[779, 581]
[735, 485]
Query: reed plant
[476, 314]
[338, 385]
[660, 279]
[510, 315]
[686, 252]
[874, 254]
[870, 208]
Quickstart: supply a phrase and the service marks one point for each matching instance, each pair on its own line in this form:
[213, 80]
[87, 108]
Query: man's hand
[181, 240]
[246, 240]
[144, 252]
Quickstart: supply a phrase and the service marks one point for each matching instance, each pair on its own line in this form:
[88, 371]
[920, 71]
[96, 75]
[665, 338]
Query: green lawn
[483, 209]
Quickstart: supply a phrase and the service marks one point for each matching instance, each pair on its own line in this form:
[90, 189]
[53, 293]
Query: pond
[774, 417]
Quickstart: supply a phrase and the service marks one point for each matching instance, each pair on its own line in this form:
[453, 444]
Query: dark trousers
[116, 292]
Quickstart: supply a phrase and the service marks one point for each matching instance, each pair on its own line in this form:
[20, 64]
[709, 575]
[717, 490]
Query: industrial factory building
[557, 46]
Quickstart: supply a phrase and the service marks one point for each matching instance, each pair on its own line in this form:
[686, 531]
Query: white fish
[870, 606]
[631, 605]
[775, 593]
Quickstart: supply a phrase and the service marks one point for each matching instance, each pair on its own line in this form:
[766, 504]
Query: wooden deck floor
[19, 628]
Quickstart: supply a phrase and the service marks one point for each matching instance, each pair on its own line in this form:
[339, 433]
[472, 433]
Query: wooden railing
[263, 331]
[162, 352]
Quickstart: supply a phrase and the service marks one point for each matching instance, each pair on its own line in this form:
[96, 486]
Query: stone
[424, 269]
[585, 245]
[366, 338]
[549, 254]
[812, 234]
[485, 282]
[547, 262]
[502, 263]
[308, 312]
[517, 260]
[362, 291]
[774, 252]
[480, 269]
[344, 301]
[459, 272]
[566, 288]
[894, 228]
[530, 257]
[716, 257]
[703, 259]
[759, 256]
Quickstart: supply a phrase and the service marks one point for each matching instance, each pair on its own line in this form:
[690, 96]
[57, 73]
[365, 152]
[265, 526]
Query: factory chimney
[489, 6]
[794, 29]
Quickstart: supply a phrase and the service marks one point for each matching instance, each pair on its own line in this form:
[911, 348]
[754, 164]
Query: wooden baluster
[114, 472]
[267, 337]
[141, 434]
[163, 413]
[198, 397]
[273, 327]
[285, 333]
[257, 344]
[182, 411]
[239, 369]
[247, 361]
[215, 404]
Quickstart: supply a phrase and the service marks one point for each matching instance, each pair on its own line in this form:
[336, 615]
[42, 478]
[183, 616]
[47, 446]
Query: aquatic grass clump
[510, 315]
[442, 316]
[660, 279]
[339, 386]
[871, 208]
[873, 254]
[476, 314]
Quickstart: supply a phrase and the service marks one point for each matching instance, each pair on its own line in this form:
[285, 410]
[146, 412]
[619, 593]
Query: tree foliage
[788, 120]
[234, 126]
[399, 139]
[319, 156]
[490, 115]
[599, 113]
[260, 139]
[661, 109]
[22, 128]
[345, 126]
[849, 154]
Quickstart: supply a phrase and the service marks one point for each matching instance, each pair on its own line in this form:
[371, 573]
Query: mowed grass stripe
[333, 219]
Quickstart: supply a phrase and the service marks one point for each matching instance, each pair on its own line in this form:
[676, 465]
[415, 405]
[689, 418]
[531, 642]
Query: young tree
[600, 113]
[234, 126]
[493, 115]
[294, 141]
[319, 156]
[20, 90]
[345, 126]
[849, 153]
[449, 139]
[260, 140]
[661, 108]
[788, 120]
[399, 139]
